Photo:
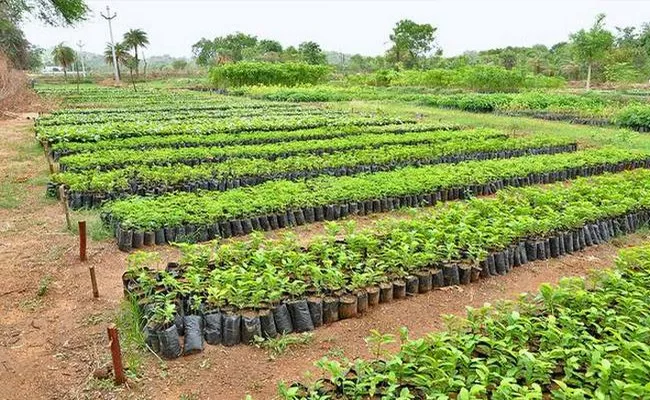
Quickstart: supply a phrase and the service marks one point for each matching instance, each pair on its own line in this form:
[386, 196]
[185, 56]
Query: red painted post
[82, 240]
[116, 354]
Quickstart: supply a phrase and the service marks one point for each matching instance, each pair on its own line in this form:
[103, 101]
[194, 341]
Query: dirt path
[51, 343]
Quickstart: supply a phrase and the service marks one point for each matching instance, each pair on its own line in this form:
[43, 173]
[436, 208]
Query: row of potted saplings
[133, 238]
[229, 327]
[90, 199]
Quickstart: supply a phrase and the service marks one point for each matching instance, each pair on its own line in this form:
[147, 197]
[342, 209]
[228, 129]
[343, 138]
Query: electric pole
[80, 44]
[109, 17]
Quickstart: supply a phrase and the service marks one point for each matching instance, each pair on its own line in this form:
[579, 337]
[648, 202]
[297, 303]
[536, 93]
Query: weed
[44, 285]
[99, 385]
[283, 343]
[31, 304]
[92, 319]
[335, 352]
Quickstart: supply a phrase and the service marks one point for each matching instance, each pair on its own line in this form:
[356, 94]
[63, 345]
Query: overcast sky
[340, 25]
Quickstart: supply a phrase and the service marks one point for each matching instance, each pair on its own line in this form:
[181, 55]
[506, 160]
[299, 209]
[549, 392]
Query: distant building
[52, 70]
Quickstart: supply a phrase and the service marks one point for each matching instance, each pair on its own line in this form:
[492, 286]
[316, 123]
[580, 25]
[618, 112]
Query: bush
[261, 73]
[634, 117]
[480, 78]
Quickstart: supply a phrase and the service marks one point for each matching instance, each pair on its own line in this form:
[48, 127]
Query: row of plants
[90, 188]
[223, 103]
[582, 339]
[589, 108]
[244, 110]
[114, 130]
[111, 159]
[265, 287]
[225, 139]
[204, 215]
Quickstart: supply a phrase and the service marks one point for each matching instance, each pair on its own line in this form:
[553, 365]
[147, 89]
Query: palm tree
[63, 56]
[133, 39]
[121, 54]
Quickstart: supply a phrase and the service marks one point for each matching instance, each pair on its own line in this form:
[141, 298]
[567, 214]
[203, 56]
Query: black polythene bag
[170, 346]
[193, 339]
[159, 236]
[300, 316]
[250, 327]
[212, 328]
[330, 309]
[267, 323]
[180, 322]
[124, 239]
[315, 305]
[282, 319]
[412, 285]
[231, 329]
[151, 339]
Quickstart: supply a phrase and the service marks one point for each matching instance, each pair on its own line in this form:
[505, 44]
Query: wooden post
[116, 354]
[48, 158]
[82, 240]
[93, 281]
[64, 200]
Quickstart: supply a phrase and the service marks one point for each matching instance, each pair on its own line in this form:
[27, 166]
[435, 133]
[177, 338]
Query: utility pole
[80, 44]
[109, 17]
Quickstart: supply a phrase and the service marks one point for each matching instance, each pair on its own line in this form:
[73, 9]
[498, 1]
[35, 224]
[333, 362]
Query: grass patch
[8, 196]
[130, 323]
[95, 229]
[282, 344]
[589, 136]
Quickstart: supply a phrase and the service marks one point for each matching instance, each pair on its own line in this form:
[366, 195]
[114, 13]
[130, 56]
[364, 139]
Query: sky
[353, 26]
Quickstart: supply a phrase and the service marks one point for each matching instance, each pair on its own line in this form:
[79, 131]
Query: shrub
[262, 73]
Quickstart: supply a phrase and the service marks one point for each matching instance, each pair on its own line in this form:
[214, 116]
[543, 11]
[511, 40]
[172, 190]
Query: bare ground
[51, 343]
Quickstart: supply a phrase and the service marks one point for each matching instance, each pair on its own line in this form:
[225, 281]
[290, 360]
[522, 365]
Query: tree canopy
[411, 41]
[51, 12]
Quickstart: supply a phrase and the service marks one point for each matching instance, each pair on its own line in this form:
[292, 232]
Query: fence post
[114, 342]
[64, 201]
[82, 240]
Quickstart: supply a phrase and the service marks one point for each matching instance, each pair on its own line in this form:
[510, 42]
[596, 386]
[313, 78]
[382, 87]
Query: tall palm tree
[64, 56]
[121, 54]
[133, 39]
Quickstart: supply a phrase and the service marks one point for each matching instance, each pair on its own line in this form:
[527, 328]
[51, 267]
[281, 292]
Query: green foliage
[457, 232]
[13, 43]
[311, 53]
[283, 343]
[411, 41]
[635, 117]
[578, 340]
[260, 73]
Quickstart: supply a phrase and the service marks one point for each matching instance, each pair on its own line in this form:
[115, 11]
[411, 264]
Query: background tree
[410, 41]
[51, 12]
[311, 53]
[179, 65]
[591, 46]
[64, 56]
[231, 47]
[204, 51]
[121, 54]
[269, 46]
[134, 39]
